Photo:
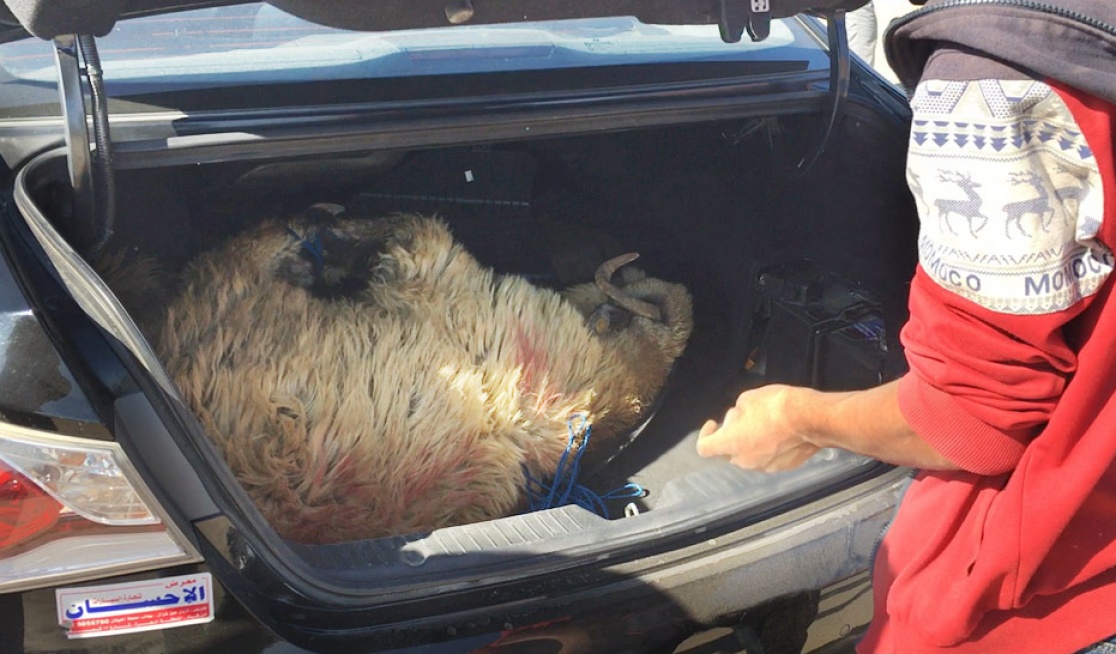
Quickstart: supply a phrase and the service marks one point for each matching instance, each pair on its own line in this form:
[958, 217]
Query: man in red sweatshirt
[1006, 539]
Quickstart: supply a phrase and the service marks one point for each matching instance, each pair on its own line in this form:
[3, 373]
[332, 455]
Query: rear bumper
[645, 605]
[805, 549]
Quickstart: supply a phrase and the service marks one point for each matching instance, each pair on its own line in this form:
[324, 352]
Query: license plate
[114, 609]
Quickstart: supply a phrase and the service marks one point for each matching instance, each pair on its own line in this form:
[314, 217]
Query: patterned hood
[1072, 41]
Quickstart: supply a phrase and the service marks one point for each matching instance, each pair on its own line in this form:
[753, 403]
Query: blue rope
[314, 247]
[564, 488]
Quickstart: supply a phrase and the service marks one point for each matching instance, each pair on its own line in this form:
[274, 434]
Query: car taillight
[73, 509]
[25, 510]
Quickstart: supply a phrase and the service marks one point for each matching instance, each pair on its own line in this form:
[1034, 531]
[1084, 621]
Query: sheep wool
[369, 377]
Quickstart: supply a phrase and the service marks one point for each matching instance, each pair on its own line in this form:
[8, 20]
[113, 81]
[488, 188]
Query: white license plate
[114, 609]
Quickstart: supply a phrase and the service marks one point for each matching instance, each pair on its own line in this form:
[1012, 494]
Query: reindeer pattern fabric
[1022, 244]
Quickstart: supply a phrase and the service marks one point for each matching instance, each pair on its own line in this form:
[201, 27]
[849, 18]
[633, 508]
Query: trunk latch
[738, 16]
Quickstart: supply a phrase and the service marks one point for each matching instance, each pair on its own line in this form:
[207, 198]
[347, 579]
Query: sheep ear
[608, 318]
[295, 270]
[638, 307]
[631, 275]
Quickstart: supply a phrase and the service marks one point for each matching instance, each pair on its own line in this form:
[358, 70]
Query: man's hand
[760, 432]
[777, 427]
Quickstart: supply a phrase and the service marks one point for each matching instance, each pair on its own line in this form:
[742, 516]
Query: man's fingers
[710, 442]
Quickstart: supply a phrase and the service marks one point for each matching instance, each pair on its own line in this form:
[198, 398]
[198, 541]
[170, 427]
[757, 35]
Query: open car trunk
[798, 274]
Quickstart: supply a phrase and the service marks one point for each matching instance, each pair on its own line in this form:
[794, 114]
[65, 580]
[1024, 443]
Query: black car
[736, 146]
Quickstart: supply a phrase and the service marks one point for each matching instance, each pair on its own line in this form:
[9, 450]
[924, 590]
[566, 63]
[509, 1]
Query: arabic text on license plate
[137, 606]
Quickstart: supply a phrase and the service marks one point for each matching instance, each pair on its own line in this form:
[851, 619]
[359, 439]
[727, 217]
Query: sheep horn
[623, 300]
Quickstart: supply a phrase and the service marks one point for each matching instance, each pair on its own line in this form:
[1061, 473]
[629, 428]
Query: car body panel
[37, 387]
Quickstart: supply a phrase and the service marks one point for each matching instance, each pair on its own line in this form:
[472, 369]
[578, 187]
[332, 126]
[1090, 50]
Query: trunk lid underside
[52, 18]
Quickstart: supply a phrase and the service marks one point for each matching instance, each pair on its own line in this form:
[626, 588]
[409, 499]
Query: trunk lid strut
[840, 70]
[89, 160]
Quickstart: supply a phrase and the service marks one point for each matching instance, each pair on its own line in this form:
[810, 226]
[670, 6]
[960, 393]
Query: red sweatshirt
[1012, 350]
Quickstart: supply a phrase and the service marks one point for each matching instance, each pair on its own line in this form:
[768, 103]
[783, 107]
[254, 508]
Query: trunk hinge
[90, 161]
[840, 70]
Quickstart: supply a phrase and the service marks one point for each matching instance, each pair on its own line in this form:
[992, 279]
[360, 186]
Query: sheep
[366, 377]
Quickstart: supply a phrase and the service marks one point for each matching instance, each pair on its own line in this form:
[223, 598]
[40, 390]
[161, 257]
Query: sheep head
[646, 323]
[656, 307]
[326, 252]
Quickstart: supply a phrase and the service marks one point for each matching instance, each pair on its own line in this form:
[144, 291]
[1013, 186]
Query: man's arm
[777, 427]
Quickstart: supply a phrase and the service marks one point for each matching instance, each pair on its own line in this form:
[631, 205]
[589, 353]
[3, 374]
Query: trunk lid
[51, 18]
